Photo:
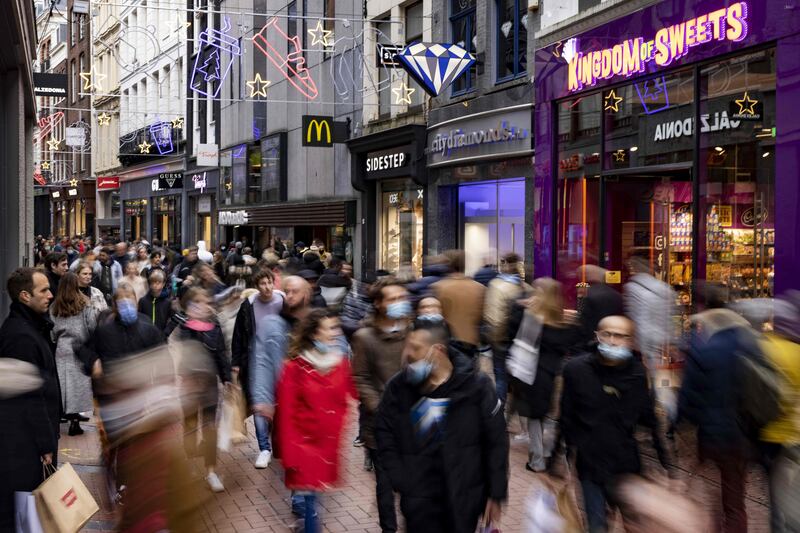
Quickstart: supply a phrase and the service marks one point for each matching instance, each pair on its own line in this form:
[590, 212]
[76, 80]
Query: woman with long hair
[134, 280]
[85, 273]
[312, 395]
[200, 359]
[74, 322]
[543, 311]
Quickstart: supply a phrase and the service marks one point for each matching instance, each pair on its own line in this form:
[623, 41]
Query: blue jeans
[262, 433]
[305, 504]
[594, 503]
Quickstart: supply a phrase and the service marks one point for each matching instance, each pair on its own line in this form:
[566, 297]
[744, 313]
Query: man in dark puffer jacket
[442, 437]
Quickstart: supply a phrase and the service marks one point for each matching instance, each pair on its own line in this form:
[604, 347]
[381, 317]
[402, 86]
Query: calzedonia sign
[631, 57]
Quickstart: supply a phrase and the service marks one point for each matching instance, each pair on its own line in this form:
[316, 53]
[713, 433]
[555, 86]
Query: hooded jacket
[444, 481]
[600, 408]
[158, 309]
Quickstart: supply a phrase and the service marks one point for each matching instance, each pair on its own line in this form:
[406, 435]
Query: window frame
[517, 25]
[470, 14]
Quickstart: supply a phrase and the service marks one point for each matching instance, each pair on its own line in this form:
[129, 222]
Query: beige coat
[462, 306]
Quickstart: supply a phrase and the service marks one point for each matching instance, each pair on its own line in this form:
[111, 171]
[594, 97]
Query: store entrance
[650, 216]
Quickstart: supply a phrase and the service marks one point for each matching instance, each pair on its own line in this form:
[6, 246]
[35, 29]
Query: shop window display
[134, 218]
[402, 215]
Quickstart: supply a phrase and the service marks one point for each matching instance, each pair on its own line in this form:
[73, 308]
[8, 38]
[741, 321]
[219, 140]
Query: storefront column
[787, 186]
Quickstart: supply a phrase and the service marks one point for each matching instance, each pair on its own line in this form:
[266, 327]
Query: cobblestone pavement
[256, 500]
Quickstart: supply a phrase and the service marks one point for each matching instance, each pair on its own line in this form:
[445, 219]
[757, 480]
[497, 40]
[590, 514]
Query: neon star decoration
[291, 65]
[212, 66]
[177, 124]
[612, 101]
[747, 105]
[53, 144]
[619, 155]
[91, 80]
[402, 94]
[258, 86]
[45, 165]
[103, 119]
[319, 35]
[144, 147]
[73, 182]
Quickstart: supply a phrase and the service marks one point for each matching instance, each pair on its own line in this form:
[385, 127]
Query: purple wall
[769, 21]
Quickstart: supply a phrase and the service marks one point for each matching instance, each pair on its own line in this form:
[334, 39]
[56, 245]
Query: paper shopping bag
[239, 430]
[26, 519]
[63, 502]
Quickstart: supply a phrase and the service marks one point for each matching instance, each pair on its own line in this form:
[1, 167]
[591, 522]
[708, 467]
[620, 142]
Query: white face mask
[614, 353]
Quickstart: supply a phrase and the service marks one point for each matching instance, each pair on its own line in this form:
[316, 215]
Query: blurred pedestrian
[377, 354]
[74, 321]
[430, 308]
[545, 311]
[312, 395]
[600, 301]
[356, 305]
[442, 438]
[462, 302]
[30, 414]
[199, 389]
[606, 395]
[135, 280]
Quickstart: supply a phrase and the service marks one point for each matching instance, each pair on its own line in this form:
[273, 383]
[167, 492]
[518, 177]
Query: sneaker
[263, 459]
[368, 466]
[358, 442]
[214, 482]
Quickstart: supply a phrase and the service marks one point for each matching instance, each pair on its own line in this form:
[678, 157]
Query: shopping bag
[649, 506]
[63, 502]
[225, 425]
[26, 519]
[523, 356]
[239, 432]
[552, 510]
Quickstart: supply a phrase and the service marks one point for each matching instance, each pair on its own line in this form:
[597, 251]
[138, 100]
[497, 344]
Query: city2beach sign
[631, 56]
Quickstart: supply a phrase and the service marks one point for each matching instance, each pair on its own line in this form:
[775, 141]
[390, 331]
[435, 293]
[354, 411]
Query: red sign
[107, 183]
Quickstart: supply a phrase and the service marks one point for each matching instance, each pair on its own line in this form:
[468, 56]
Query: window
[414, 20]
[72, 23]
[73, 77]
[462, 22]
[329, 7]
[512, 38]
[82, 66]
[81, 27]
[254, 181]
[384, 37]
[294, 29]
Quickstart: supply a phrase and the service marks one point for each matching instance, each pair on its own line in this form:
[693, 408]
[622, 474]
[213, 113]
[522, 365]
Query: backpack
[763, 392]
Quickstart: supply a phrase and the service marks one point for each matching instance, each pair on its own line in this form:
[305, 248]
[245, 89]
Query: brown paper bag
[63, 502]
[239, 433]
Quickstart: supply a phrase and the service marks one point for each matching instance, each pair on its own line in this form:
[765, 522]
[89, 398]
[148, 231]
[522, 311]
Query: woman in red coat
[311, 407]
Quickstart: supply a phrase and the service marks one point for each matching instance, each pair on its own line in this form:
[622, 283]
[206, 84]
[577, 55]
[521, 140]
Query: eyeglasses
[610, 335]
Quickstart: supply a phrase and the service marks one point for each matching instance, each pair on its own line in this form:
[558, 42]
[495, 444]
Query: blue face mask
[431, 317]
[398, 310]
[127, 312]
[614, 353]
[321, 347]
[419, 371]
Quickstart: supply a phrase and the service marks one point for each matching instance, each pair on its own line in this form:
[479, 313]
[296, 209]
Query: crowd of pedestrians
[438, 370]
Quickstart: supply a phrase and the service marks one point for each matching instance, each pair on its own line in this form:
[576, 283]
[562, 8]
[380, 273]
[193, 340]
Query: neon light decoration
[434, 65]
[612, 101]
[91, 80]
[210, 69]
[402, 94]
[650, 92]
[103, 119]
[144, 147]
[674, 42]
[292, 65]
[53, 144]
[258, 86]
[46, 125]
[319, 35]
[161, 133]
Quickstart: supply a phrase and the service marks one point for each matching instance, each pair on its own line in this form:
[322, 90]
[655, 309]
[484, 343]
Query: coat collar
[41, 323]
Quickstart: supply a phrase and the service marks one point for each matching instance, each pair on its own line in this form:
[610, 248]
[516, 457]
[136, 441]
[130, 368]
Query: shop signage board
[632, 56]
[204, 204]
[200, 181]
[45, 84]
[76, 137]
[322, 131]
[170, 180]
[232, 218]
[207, 155]
[385, 54]
[392, 163]
[72, 193]
[105, 183]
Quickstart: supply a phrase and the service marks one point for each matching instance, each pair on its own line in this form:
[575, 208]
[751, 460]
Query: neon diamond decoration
[435, 65]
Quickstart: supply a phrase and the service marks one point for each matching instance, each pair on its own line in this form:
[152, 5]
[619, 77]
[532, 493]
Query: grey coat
[69, 334]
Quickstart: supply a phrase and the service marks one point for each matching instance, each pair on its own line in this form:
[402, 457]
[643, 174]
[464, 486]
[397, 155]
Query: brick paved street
[255, 500]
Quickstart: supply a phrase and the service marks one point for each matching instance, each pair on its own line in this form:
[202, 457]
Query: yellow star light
[319, 35]
[228, 186]
[402, 94]
[73, 182]
[45, 165]
[258, 86]
[144, 148]
[53, 144]
[612, 101]
[619, 155]
[91, 80]
[177, 124]
[103, 119]
[747, 105]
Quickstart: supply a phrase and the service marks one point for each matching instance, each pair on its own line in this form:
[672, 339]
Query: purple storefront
[673, 134]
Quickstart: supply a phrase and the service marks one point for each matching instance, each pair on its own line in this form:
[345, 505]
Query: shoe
[529, 468]
[368, 466]
[81, 418]
[214, 482]
[292, 65]
[358, 442]
[263, 459]
[75, 429]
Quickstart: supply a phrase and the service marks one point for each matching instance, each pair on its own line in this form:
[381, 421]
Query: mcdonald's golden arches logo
[317, 131]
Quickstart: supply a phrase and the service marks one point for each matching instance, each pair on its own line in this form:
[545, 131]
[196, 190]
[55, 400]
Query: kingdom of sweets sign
[673, 42]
